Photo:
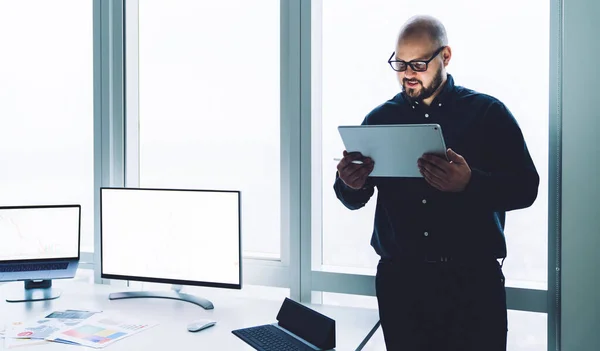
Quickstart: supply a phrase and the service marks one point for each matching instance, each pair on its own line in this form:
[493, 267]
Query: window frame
[108, 109]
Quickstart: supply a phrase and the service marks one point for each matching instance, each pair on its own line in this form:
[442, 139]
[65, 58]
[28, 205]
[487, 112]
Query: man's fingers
[359, 177]
[431, 182]
[454, 157]
[362, 172]
[432, 177]
[347, 160]
[353, 155]
[347, 165]
[347, 168]
[438, 162]
[353, 172]
[433, 170]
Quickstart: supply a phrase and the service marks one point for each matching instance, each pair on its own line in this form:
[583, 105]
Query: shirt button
[426, 233]
[427, 115]
[413, 107]
[424, 201]
[440, 104]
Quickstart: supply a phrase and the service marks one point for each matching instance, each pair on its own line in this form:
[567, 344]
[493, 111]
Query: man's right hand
[352, 174]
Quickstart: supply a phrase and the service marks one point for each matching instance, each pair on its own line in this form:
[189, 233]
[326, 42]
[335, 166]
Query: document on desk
[100, 330]
[47, 324]
[11, 343]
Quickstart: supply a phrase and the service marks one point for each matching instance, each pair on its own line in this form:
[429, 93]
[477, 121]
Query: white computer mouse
[200, 324]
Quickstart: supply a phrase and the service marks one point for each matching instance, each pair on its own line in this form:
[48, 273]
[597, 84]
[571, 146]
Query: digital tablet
[395, 148]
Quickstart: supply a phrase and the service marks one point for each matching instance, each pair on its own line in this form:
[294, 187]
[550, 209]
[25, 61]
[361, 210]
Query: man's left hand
[447, 176]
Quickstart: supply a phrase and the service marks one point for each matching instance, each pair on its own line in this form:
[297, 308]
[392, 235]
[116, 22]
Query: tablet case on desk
[298, 328]
[308, 324]
[395, 148]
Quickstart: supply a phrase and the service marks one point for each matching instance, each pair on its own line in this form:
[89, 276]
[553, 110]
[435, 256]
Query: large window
[209, 78]
[46, 106]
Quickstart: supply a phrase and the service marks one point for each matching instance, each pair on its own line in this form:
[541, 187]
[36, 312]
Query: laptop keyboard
[270, 338]
[30, 267]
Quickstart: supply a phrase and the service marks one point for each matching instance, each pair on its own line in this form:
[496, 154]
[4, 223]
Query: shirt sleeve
[510, 180]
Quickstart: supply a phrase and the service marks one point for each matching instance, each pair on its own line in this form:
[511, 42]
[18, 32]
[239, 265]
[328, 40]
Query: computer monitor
[38, 244]
[172, 236]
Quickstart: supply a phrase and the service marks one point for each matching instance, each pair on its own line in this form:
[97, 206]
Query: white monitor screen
[38, 233]
[188, 237]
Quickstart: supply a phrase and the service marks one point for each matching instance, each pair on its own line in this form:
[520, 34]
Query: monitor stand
[175, 294]
[36, 290]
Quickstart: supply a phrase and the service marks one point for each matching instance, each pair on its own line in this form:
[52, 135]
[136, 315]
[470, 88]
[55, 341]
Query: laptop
[39, 244]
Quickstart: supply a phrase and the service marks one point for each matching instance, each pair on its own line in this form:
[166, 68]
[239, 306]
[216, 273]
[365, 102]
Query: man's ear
[446, 55]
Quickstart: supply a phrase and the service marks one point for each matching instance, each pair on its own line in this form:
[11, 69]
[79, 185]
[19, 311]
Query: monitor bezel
[42, 260]
[168, 280]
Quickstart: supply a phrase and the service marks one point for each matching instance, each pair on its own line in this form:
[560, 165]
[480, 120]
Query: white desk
[232, 311]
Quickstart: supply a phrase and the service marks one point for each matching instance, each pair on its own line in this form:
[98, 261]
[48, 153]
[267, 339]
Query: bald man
[439, 282]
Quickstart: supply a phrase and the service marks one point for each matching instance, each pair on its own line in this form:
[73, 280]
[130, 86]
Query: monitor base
[35, 291]
[173, 295]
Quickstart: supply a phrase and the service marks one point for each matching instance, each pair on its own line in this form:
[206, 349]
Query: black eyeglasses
[416, 65]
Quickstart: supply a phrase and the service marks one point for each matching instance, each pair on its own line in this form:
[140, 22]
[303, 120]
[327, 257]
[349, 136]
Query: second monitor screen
[177, 236]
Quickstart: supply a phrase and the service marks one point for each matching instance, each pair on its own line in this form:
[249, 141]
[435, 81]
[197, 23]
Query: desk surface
[232, 311]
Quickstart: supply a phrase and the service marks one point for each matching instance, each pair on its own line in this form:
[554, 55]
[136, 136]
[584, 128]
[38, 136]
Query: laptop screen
[37, 233]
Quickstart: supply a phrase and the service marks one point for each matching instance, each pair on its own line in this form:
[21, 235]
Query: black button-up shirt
[415, 220]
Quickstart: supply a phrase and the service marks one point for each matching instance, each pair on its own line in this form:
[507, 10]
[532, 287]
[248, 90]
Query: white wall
[581, 177]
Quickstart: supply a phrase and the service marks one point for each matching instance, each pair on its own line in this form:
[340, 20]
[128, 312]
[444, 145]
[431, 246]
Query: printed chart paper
[47, 325]
[100, 330]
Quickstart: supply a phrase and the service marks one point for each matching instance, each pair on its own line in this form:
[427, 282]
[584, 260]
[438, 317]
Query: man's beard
[425, 92]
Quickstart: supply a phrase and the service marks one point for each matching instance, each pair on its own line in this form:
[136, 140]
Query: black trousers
[444, 306]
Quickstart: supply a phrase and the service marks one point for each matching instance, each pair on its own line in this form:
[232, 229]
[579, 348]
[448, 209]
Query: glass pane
[367, 31]
[209, 105]
[527, 331]
[46, 106]
[85, 275]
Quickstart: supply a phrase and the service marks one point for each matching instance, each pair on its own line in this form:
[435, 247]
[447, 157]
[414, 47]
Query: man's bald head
[421, 27]
[423, 39]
